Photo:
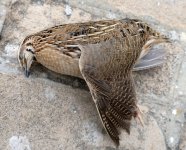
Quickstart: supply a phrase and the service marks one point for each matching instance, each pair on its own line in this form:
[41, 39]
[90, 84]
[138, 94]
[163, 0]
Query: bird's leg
[139, 116]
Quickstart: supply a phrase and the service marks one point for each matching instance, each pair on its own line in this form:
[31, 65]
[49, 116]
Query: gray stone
[182, 145]
[39, 113]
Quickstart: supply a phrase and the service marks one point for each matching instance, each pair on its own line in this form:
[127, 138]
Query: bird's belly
[58, 62]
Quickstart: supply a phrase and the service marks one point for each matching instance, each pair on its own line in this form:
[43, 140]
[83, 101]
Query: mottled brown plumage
[104, 53]
[57, 48]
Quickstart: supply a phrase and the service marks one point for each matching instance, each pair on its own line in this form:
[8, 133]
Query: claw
[139, 116]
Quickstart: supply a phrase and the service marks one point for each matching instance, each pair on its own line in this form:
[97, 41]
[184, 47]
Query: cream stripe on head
[18, 54]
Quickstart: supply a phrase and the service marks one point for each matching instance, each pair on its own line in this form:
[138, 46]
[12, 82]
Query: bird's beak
[28, 60]
[27, 72]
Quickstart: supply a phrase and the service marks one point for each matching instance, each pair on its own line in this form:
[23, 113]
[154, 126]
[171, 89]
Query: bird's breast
[58, 62]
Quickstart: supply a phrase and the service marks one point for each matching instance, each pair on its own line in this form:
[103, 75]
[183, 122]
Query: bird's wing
[153, 58]
[114, 95]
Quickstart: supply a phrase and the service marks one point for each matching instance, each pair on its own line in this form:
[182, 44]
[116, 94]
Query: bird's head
[26, 56]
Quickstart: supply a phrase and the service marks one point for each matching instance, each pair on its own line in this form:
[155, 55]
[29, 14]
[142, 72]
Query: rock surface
[46, 118]
[51, 111]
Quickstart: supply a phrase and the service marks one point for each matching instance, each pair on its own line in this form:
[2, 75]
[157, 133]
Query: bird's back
[57, 48]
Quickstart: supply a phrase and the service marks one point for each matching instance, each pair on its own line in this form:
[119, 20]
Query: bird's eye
[29, 50]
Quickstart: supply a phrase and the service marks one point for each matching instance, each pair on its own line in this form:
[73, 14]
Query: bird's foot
[139, 116]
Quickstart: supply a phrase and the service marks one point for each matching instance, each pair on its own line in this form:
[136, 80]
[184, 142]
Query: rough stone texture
[51, 111]
[52, 120]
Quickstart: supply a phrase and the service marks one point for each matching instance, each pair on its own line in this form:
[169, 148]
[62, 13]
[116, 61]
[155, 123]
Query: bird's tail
[151, 57]
[155, 57]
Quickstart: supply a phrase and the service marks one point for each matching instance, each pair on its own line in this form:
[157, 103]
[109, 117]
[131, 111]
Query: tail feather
[148, 65]
[155, 57]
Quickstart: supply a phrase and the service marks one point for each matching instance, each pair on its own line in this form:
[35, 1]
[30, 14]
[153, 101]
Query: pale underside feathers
[103, 53]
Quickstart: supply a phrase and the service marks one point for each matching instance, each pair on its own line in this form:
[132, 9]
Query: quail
[104, 53]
